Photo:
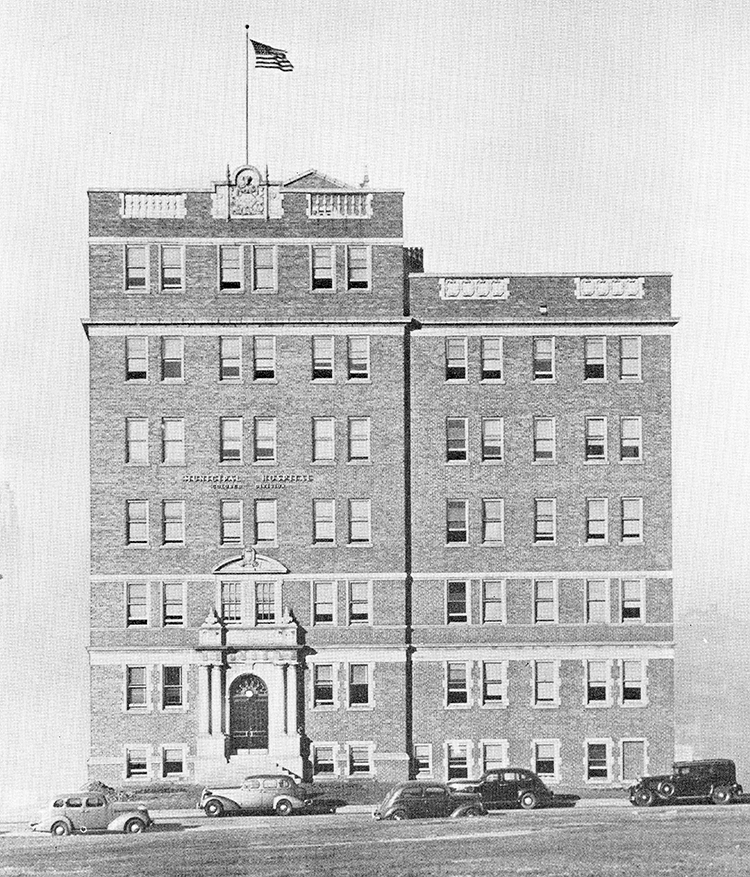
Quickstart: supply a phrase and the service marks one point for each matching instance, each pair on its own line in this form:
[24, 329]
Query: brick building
[352, 519]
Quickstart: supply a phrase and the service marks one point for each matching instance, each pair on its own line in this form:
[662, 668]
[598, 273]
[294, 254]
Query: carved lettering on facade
[609, 287]
[481, 288]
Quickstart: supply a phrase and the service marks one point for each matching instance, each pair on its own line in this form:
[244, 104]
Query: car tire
[644, 798]
[60, 829]
[398, 815]
[666, 790]
[284, 808]
[528, 801]
[213, 808]
[474, 811]
[134, 826]
[722, 795]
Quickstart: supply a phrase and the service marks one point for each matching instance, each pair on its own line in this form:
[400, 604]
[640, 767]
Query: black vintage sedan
[507, 787]
[713, 779]
[415, 800]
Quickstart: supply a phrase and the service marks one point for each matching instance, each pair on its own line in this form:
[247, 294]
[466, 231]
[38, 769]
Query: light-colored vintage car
[92, 811]
[263, 793]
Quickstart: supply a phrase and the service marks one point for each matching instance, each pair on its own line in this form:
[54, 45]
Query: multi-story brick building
[352, 519]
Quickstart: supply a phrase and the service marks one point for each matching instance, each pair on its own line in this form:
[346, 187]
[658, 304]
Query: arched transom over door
[248, 713]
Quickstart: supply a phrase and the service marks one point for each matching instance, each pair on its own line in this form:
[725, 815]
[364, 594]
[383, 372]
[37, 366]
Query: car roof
[267, 776]
[704, 761]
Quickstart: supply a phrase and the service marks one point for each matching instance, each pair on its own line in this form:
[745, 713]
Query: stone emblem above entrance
[246, 194]
[250, 563]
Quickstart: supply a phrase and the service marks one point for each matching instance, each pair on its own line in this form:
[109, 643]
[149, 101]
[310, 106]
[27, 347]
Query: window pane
[136, 356]
[265, 521]
[359, 520]
[455, 359]
[456, 521]
[323, 438]
[493, 603]
[492, 520]
[492, 438]
[230, 276]
[543, 364]
[457, 610]
[358, 358]
[322, 268]
[323, 521]
[263, 269]
[359, 438]
[492, 359]
[456, 439]
[265, 439]
[264, 358]
[322, 353]
[231, 522]
[323, 600]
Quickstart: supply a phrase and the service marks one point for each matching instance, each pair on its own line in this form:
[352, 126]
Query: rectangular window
[171, 686]
[358, 358]
[173, 604]
[136, 359]
[457, 683]
[632, 519]
[322, 268]
[630, 358]
[324, 602]
[136, 440]
[597, 763]
[230, 268]
[545, 523]
[596, 681]
[264, 358]
[543, 368]
[597, 601]
[458, 761]
[359, 439]
[359, 760]
[265, 522]
[230, 522]
[357, 267]
[596, 438]
[457, 602]
[492, 521]
[632, 681]
[545, 602]
[544, 682]
[173, 521]
[324, 429]
[231, 602]
[171, 268]
[544, 438]
[596, 520]
[172, 359]
[172, 761]
[595, 359]
[264, 447]
[456, 439]
[630, 438]
[545, 759]
[323, 762]
[457, 531]
[492, 359]
[322, 358]
[264, 269]
[359, 603]
[455, 359]
[136, 268]
[359, 685]
[632, 600]
[359, 522]
[493, 682]
[492, 439]
[322, 684]
[230, 359]
[422, 760]
[136, 688]
[137, 605]
[265, 603]
[136, 522]
[494, 756]
[172, 440]
[493, 602]
[324, 522]
[136, 763]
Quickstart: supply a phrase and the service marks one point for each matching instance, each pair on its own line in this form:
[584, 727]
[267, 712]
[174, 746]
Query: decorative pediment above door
[250, 563]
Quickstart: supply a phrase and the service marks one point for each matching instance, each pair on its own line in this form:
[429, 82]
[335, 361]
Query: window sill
[595, 381]
[631, 462]
[172, 380]
[631, 541]
[359, 545]
[359, 462]
[322, 380]
[551, 462]
[172, 545]
[594, 542]
[355, 289]
[137, 465]
[359, 380]
[545, 706]
[457, 544]
[265, 463]
[458, 706]
[491, 381]
[494, 706]
[492, 545]
[544, 380]
[136, 381]
[499, 462]
[233, 291]
[456, 380]
[230, 382]
[181, 465]
[633, 704]
[597, 462]
[361, 707]
[325, 707]
[136, 291]
[542, 543]
[323, 463]
[265, 291]
[600, 705]
[231, 463]
[265, 380]
[324, 545]
[137, 545]
[322, 291]
[631, 380]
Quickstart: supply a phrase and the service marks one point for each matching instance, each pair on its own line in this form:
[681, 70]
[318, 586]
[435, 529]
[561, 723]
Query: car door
[412, 800]
[95, 814]
[490, 789]
[74, 812]
[437, 801]
[249, 796]
[269, 790]
[507, 788]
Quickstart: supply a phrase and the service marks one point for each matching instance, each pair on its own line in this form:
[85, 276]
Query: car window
[60, 802]
[411, 792]
[285, 783]
[74, 802]
[252, 784]
[94, 802]
[270, 784]
[492, 777]
[434, 791]
[512, 776]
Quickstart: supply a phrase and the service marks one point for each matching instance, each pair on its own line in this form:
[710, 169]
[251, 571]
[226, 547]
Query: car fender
[462, 809]
[295, 802]
[229, 804]
[118, 823]
[46, 824]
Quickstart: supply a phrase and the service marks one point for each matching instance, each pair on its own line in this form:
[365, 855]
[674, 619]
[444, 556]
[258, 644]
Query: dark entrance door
[248, 713]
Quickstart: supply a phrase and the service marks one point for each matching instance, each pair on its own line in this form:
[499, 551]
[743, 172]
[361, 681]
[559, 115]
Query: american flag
[266, 56]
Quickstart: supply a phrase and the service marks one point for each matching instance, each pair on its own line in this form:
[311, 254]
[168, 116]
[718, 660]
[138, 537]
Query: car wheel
[398, 815]
[722, 795]
[644, 798]
[60, 829]
[213, 808]
[284, 808]
[528, 801]
[134, 826]
[474, 811]
[666, 790]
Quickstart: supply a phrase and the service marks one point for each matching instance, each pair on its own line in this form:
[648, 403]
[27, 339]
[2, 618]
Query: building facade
[354, 520]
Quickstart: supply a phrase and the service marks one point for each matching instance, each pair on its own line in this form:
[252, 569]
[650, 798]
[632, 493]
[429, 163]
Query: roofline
[492, 274]
[169, 190]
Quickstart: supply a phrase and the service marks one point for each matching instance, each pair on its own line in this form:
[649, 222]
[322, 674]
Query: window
[230, 359]
[357, 267]
[456, 429]
[596, 682]
[597, 762]
[172, 440]
[630, 439]
[422, 760]
[545, 523]
[544, 439]
[172, 359]
[265, 603]
[458, 761]
[544, 683]
[359, 522]
[172, 761]
[173, 604]
[136, 359]
[456, 522]
[324, 603]
[264, 358]
[136, 440]
[171, 268]
[596, 438]
[323, 439]
[632, 682]
[632, 519]
[630, 358]
[173, 521]
[492, 439]
[136, 612]
[359, 603]
[231, 602]
[230, 522]
[136, 268]
[324, 522]
[545, 759]
[544, 359]
[136, 763]
[265, 522]
[545, 602]
[493, 602]
[457, 691]
[493, 683]
[359, 439]
[230, 268]
[595, 359]
[359, 760]
[359, 685]
[494, 755]
[492, 521]
[323, 761]
[457, 602]
[264, 269]
[632, 600]
[322, 358]
[136, 522]
[492, 359]
[171, 686]
[323, 686]
[455, 359]
[596, 520]
[322, 268]
[358, 358]
[597, 601]
[136, 688]
[264, 448]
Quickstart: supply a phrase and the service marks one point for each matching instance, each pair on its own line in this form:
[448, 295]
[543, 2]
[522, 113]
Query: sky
[527, 135]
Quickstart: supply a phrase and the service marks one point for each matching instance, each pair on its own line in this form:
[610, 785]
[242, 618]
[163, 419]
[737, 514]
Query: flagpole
[247, 94]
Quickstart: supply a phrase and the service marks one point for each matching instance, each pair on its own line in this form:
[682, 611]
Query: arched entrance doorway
[248, 713]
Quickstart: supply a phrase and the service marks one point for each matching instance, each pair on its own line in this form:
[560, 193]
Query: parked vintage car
[507, 787]
[92, 811]
[262, 793]
[713, 779]
[417, 800]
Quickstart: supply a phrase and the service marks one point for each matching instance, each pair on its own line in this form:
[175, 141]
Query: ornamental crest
[247, 195]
